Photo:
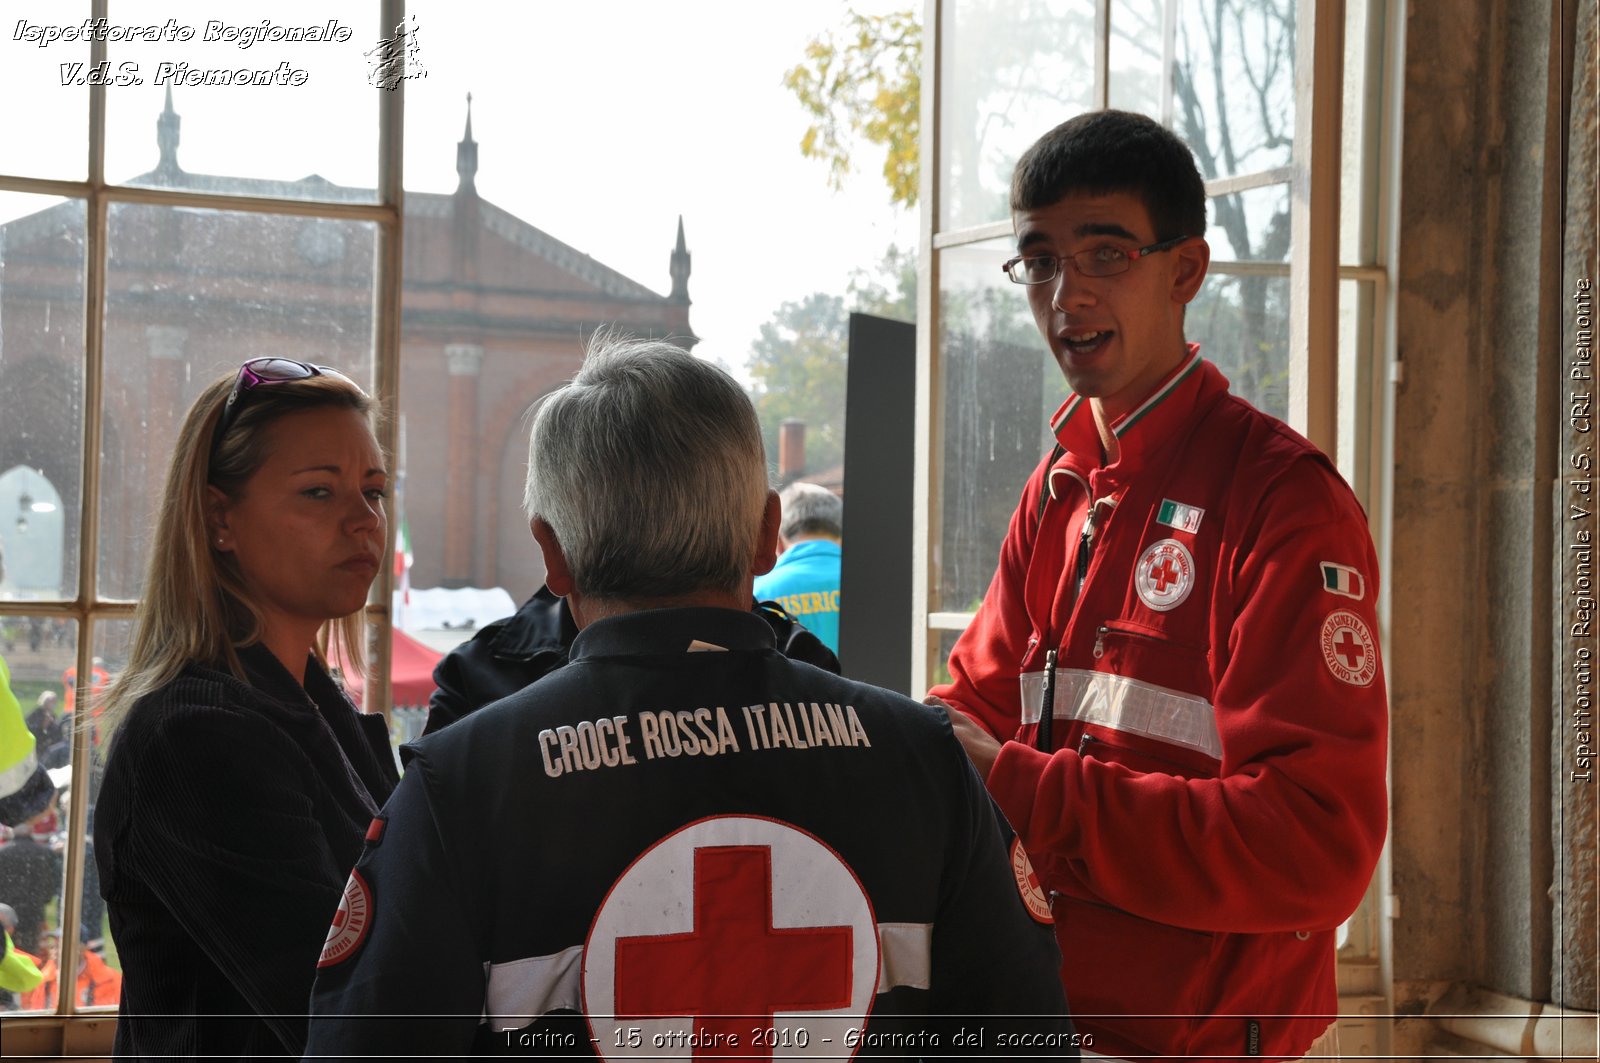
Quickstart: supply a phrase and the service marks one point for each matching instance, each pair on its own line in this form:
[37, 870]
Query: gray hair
[649, 468]
[810, 509]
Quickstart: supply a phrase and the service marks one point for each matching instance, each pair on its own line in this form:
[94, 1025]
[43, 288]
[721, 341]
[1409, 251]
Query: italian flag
[402, 571]
[1342, 579]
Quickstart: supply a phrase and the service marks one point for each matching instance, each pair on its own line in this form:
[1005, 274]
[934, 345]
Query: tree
[1233, 102]
[798, 368]
[798, 363]
[865, 80]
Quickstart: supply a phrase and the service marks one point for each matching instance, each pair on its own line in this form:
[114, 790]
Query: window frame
[88, 609]
[1320, 387]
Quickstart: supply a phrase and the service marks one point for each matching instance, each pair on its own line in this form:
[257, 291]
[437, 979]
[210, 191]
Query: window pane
[1000, 387]
[1137, 40]
[40, 655]
[253, 111]
[939, 660]
[190, 295]
[1010, 73]
[1250, 226]
[44, 125]
[1356, 299]
[1358, 176]
[1242, 325]
[1234, 84]
[41, 395]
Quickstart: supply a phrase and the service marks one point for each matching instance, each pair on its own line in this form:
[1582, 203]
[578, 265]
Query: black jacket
[682, 823]
[230, 816]
[507, 655]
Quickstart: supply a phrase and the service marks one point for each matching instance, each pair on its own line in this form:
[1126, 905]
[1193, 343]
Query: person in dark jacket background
[240, 779]
[507, 655]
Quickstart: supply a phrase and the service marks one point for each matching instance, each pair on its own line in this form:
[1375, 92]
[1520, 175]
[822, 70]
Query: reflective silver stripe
[905, 955]
[1086, 1054]
[1126, 705]
[520, 991]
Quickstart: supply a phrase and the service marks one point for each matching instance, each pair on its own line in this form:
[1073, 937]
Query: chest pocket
[1138, 707]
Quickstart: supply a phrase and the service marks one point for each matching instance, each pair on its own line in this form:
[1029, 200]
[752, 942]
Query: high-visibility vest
[17, 756]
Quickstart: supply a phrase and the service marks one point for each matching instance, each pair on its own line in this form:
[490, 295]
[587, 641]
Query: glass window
[1137, 53]
[271, 101]
[41, 379]
[1242, 325]
[1249, 226]
[1233, 84]
[1000, 387]
[44, 81]
[191, 293]
[40, 656]
[1010, 72]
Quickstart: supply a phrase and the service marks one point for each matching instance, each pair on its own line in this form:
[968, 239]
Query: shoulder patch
[1180, 516]
[1028, 885]
[375, 830]
[350, 923]
[1342, 579]
[1349, 649]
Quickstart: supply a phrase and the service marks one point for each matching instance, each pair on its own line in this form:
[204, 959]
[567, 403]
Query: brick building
[494, 313]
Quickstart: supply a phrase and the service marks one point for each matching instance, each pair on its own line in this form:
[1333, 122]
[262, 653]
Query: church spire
[167, 139]
[467, 156]
[680, 268]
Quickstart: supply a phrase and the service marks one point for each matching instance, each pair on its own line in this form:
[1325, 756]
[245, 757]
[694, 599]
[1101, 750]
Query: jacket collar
[268, 676]
[658, 631]
[544, 624]
[1147, 428]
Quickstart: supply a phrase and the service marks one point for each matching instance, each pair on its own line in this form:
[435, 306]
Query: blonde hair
[195, 606]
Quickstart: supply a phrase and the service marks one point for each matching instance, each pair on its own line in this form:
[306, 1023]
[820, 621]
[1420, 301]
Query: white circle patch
[731, 927]
[1164, 575]
[350, 923]
[1033, 895]
[1349, 649]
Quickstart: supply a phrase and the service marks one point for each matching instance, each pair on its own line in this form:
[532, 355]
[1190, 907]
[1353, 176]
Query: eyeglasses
[259, 372]
[1103, 261]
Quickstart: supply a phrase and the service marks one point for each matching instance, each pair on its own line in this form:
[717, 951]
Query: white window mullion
[927, 470]
[1314, 222]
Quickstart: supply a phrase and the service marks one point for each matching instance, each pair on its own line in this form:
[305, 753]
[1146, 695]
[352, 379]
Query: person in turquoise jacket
[805, 580]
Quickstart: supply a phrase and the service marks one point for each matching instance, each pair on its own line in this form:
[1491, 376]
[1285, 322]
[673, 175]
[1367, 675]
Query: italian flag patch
[1342, 579]
[1177, 515]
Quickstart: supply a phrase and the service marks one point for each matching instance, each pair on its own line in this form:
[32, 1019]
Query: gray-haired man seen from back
[683, 843]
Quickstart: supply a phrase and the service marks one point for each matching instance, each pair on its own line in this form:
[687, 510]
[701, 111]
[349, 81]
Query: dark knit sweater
[228, 821]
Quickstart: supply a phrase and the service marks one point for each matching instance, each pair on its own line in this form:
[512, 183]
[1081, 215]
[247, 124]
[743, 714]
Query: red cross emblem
[735, 966]
[1348, 648]
[1034, 897]
[719, 930]
[1164, 575]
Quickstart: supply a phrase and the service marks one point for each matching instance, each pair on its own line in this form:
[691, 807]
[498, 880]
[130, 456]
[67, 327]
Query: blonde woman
[240, 780]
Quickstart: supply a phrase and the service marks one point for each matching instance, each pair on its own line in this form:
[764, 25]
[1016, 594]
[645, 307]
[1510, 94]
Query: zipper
[1106, 629]
[1086, 542]
[1090, 740]
[1047, 702]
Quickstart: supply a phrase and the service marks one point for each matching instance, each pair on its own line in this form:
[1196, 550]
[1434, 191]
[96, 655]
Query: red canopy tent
[410, 672]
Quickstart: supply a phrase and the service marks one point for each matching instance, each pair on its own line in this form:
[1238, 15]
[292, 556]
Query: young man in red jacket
[1173, 686]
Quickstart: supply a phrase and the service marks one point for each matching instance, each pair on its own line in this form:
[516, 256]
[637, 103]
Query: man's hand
[980, 745]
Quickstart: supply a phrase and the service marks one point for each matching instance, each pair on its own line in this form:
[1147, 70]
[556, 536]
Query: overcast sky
[598, 123]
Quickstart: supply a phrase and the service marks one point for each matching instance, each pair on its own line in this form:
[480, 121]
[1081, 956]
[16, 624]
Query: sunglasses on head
[259, 372]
